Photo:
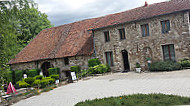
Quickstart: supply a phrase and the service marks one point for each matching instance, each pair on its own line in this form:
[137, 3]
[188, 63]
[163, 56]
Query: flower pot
[138, 70]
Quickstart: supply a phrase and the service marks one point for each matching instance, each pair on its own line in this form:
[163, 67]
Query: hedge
[164, 66]
[29, 80]
[32, 72]
[76, 69]
[38, 77]
[93, 62]
[18, 75]
[22, 84]
[53, 71]
[10, 76]
[56, 76]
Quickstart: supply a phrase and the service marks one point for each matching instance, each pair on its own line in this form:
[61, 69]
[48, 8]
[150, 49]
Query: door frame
[126, 68]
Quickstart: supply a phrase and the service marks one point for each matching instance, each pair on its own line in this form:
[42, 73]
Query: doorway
[125, 61]
[45, 66]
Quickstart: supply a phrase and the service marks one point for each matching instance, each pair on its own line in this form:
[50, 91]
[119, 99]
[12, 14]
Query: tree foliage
[20, 22]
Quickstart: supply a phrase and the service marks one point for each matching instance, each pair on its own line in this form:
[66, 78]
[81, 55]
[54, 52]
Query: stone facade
[139, 48]
[78, 60]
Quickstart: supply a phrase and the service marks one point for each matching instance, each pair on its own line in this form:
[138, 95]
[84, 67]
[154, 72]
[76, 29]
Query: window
[109, 58]
[107, 37]
[145, 30]
[165, 26]
[168, 52]
[66, 60]
[122, 33]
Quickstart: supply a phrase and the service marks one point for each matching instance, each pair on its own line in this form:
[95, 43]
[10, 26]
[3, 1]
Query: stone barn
[158, 31]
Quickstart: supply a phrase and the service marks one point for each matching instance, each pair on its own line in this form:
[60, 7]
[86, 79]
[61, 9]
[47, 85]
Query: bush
[93, 62]
[84, 73]
[22, 84]
[184, 63]
[29, 80]
[75, 69]
[36, 83]
[53, 71]
[56, 77]
[38, 77]
[32, 73]
[164, 66]
[10, 76]
[44, 83]
[18, 75]
[99, 69]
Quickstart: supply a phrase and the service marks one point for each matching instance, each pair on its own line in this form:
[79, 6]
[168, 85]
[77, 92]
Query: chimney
[146, 4]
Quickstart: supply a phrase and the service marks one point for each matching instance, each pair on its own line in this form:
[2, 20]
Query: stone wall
[138, 47]
[78, 60]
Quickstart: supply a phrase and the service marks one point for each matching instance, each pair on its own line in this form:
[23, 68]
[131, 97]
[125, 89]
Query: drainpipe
[94, 44]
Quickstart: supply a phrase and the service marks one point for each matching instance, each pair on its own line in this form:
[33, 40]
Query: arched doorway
[125, 60]
[45, 66]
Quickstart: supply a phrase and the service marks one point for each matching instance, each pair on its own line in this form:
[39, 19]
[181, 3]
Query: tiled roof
[76, 39]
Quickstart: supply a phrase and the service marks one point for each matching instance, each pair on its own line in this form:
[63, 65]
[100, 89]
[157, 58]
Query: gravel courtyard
[176, 82]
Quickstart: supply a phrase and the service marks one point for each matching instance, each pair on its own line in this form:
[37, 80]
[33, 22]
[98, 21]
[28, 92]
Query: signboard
[73, 75]
[57, 81]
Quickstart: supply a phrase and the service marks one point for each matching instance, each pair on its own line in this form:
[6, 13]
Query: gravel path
[176, 82]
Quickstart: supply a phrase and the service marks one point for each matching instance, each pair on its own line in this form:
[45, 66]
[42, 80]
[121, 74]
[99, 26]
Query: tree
[20, 22]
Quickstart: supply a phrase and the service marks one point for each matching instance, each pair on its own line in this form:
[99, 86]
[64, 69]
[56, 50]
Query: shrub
[29, 80]
[164, 66]
[99, 69]
[93, 62]
[38, 77]
[102, 68]
[91, 70]
[84, 73]
[184, 63]
[32, 73]
[18, 75]
[22, 84]
[44, 83]
[75, 69]
[53, 71]
[10, 76]
[36, 83]
[56, 77]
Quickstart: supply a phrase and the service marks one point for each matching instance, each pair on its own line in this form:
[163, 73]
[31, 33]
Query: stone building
[158, 31]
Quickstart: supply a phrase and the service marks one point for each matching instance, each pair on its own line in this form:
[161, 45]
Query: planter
[138, 70]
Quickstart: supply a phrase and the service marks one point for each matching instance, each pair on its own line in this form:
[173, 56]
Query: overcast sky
[67, 11]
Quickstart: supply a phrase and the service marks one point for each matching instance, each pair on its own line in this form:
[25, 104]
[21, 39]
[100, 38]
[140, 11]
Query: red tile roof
[76, 39]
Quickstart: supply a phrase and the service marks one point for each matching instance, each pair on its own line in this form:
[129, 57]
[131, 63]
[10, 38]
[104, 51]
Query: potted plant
[138, 67]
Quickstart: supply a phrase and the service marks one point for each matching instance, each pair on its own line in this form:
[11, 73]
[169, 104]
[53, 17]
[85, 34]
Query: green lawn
[138, 100]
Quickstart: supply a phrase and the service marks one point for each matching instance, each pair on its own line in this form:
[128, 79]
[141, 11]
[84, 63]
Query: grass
[48, 88]
[138, 100]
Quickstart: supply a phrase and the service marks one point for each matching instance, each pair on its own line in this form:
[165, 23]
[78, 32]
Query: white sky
[66, 11]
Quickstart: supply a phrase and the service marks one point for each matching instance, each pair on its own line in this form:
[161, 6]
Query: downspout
[94, 43]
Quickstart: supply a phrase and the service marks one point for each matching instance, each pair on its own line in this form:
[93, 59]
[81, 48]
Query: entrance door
[45, 67]
[125, 60]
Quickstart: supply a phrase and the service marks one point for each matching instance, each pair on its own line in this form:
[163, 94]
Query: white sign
[73, 75]
[57, 81]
